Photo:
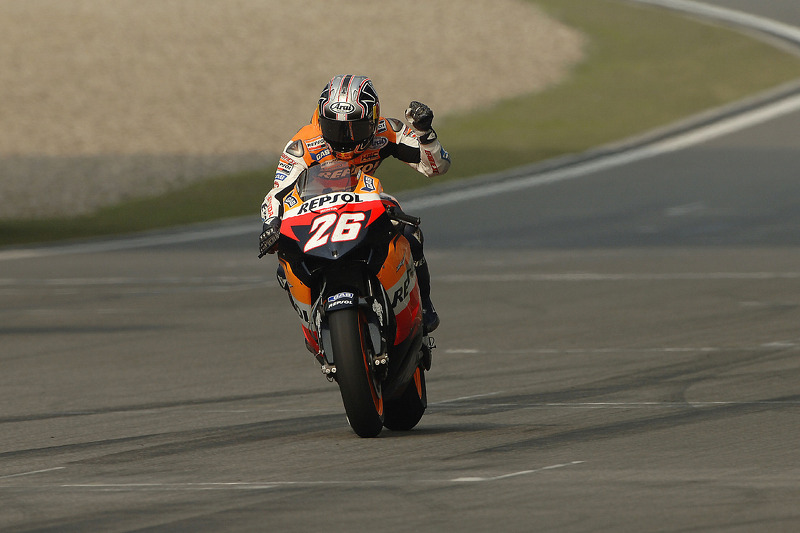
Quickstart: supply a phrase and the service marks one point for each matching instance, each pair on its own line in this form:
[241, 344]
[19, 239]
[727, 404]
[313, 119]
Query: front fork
[373, 309]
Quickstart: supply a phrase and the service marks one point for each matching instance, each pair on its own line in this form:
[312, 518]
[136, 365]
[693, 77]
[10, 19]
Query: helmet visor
[344, 136]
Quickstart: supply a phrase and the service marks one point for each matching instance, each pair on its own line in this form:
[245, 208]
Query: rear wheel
[361, 392]
[406, 411]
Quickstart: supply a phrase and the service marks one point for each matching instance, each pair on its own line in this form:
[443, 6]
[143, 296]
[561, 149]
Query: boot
[430, 318]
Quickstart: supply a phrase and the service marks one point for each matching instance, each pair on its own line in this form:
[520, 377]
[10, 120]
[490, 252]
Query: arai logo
[342, 107]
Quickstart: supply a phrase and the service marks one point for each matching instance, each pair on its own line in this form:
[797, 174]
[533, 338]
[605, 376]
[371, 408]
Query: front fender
[340, 300]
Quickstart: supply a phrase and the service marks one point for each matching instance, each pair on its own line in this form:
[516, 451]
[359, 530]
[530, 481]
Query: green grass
[222, 197]
[645, 68]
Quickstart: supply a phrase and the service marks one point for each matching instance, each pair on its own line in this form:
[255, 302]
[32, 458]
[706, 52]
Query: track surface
[617, 353]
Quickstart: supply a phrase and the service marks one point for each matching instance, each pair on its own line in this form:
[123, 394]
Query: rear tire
[403, 413]
[361, 392]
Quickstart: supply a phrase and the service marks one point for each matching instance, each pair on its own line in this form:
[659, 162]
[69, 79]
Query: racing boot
[430, 318]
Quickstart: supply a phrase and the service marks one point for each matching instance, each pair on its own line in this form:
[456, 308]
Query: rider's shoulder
[390, 128]
[393, 123]
[306, 142]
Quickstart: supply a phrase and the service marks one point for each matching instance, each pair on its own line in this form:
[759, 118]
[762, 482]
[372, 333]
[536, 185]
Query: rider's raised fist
[419, 116]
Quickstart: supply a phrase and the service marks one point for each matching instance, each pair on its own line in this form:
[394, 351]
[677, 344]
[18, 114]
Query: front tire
[361, 392]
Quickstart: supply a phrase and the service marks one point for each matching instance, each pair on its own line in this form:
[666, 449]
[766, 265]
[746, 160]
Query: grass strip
[645, 67]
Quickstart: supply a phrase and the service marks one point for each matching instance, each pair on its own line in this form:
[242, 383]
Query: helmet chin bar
[347, 155]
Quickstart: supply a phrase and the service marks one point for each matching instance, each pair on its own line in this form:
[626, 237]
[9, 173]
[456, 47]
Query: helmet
[349, 112]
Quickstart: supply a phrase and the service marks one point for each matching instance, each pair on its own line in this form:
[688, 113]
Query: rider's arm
[429, 159]
[417, 144]
[290, 167]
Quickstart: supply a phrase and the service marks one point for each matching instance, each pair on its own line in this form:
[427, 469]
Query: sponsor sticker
[320, 201]
[369, 184]
[321, 155]
[432, 162]
[339, 296]
[316, 142]
[340, 300]
[369, 156]
[368, 168]
[341, 107]
[378, 143]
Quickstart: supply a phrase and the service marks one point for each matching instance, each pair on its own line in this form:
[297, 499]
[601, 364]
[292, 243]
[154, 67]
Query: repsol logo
[319, 201]
[402, 292]
[368, 168]
[302, 314]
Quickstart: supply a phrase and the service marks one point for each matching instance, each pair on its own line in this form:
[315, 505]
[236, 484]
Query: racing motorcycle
[351, 278]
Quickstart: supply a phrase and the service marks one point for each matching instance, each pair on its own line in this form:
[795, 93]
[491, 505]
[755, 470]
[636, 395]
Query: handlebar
[395, 213]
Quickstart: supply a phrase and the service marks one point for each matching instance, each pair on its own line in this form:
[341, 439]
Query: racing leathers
[419, 149]
[392, 139]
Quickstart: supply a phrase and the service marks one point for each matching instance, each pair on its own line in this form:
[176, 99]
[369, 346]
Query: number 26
[347, 227]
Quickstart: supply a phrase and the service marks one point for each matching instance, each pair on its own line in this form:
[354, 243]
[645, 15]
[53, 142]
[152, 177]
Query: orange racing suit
[392, 139]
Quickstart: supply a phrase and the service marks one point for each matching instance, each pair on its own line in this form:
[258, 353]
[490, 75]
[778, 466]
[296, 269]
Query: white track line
[462, 398]
[33, 472]
[740, 18]
[779, 345]
[268, 485]
[129, 243]
[590, 276]
[679, 142]
[700, 135]
[632, 405]
[518, 277]
[723, 127]
[515, 474]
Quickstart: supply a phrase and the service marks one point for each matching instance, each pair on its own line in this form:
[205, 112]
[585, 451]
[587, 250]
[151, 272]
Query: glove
[420, 118]
[268, 240]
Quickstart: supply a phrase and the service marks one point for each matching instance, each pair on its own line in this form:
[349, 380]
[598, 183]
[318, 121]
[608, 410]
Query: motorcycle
[351, 278]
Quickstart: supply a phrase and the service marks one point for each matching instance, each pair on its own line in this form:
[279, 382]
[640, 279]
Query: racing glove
[420, 118]
[268, 241]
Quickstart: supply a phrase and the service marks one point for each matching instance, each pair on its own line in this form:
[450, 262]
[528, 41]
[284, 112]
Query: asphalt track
[619, 352]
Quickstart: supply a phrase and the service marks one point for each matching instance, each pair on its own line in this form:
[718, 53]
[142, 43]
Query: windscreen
[325, 178]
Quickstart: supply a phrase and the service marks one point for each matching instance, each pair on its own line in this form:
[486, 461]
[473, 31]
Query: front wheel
[361, 391]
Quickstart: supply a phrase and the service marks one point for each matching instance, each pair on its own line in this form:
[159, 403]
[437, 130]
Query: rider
[347, 125]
